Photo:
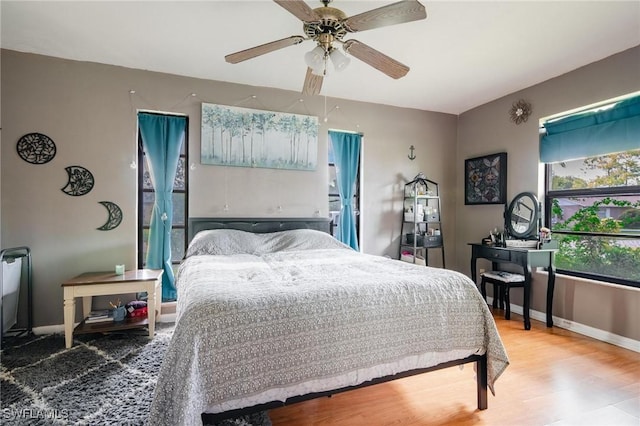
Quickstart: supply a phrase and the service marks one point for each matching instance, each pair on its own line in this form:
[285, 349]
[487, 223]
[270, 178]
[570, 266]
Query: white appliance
[11, 272]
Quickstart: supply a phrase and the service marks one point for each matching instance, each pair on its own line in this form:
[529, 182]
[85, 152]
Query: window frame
[550, 194]
[184, 153]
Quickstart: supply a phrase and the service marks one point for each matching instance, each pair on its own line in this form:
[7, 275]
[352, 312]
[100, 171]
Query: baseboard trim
[576, 327]
[167, 318]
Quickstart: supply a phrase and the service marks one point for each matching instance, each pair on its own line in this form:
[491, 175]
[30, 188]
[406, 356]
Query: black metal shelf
[18, 252]
[421, 191]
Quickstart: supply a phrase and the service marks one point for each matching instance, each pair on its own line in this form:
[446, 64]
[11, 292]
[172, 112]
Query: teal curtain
[162, 139]
[592, 133]
[346, 149]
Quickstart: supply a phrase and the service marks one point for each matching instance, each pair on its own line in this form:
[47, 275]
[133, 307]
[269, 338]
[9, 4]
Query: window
[146, 198]
[593, 210]
[334, 195]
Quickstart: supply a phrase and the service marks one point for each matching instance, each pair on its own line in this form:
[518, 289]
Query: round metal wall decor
[80, 181]
[115, 216]
[520, 111]
[36, 148]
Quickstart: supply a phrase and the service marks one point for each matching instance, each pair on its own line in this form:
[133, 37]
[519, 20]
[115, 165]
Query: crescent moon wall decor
[115, 216]
[80, 181]
[36, 148]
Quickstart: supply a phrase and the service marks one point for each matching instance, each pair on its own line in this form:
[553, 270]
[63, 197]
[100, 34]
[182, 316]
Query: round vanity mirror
[522, 216]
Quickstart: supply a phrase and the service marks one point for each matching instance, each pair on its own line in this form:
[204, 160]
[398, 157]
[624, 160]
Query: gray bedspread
[248, 322]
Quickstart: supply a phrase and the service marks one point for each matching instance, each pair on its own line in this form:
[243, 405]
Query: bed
[272, 312]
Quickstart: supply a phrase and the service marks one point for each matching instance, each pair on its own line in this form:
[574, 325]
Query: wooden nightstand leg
[152, 300]
[86, 305]
[69, 319]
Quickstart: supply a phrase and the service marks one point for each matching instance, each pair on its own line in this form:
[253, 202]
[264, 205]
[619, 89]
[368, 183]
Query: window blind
[591, 133]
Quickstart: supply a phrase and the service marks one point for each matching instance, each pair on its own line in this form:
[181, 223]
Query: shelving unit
[421, 228]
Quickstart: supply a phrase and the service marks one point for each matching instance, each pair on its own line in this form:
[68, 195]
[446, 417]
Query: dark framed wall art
[485, 179]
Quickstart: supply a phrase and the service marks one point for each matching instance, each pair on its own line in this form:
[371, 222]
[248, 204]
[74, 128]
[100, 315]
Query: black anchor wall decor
[412, 156]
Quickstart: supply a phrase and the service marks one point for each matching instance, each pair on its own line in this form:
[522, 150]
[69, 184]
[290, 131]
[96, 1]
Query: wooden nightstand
[92, 284]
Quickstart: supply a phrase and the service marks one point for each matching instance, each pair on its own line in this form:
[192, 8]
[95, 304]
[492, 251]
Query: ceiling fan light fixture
[315, 58]
[320, 70]
[339, 59]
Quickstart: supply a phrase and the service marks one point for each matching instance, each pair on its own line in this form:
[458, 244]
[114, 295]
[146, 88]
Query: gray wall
[86, 108]
[88, 111]
[487, 129]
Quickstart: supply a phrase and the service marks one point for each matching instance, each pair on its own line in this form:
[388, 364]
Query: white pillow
[232, 241]
[298, 239]
[221, 241]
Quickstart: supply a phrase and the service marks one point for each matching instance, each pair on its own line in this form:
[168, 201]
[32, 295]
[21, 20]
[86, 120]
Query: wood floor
[555, 377]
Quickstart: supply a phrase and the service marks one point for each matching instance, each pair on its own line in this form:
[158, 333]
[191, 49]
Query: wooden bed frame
[264, 225]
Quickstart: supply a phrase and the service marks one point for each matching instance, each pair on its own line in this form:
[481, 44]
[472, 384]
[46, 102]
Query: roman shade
[601, 131]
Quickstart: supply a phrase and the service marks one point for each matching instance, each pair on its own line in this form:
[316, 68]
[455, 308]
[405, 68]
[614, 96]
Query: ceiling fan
[327, 25]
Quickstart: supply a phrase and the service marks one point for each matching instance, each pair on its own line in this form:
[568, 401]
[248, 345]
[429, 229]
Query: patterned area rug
[103, 379]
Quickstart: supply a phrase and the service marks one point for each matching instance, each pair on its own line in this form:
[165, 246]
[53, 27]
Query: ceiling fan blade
[376, 59]
[392, 14]
[312, 83]
[243, 55]
[300, 9]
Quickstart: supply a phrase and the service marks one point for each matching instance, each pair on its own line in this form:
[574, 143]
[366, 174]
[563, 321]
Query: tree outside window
[593, 210]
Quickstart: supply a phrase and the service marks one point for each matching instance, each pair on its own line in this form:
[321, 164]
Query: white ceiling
[463, 55]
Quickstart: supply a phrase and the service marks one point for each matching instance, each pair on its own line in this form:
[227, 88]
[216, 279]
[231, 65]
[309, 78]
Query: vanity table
[522, 222]
[526, 259]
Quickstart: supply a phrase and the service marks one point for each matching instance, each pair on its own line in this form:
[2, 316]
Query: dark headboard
[257, 225]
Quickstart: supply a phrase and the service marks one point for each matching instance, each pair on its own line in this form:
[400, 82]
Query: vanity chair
[502, 281]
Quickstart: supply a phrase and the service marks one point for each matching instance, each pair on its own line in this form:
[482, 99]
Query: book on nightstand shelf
[97, 320]
[99, 316]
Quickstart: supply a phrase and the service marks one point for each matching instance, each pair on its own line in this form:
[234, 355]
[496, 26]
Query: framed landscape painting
[485, 179]
[243, 137]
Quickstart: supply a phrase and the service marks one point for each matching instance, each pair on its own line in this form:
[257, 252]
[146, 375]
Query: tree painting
[243, 137]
